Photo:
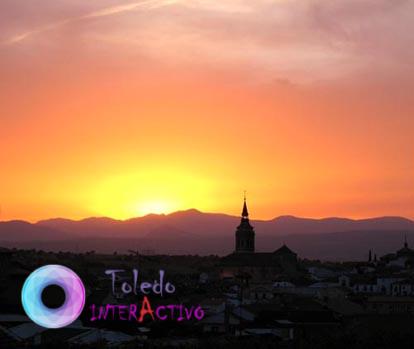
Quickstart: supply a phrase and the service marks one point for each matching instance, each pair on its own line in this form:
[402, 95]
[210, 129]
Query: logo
[63, 278]
[139, 312]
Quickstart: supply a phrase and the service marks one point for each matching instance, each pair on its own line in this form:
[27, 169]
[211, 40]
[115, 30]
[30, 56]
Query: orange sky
[121, 108]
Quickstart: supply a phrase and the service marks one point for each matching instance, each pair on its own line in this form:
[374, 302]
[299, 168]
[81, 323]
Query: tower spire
[245, 232]
[245, 212]
[405, 241]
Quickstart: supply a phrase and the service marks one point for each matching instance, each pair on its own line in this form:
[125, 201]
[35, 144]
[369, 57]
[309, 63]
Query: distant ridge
[194, 232]
[19, 231]
[199, 223]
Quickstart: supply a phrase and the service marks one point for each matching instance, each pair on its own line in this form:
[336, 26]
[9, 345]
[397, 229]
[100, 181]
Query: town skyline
[206, 174]
[195, 232]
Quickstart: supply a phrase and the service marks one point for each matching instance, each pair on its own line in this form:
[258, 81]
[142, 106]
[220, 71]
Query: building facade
[245, 262]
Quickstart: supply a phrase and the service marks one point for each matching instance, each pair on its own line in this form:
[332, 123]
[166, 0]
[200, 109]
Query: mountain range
[195, 232]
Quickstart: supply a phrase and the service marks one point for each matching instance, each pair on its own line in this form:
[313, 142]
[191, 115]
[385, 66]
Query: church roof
[405, 251]
[257, 259]
[284, 250]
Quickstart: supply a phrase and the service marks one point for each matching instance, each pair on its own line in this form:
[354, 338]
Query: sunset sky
[122, 108]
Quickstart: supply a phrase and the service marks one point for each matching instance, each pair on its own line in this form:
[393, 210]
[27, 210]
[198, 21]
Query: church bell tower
[244, 232]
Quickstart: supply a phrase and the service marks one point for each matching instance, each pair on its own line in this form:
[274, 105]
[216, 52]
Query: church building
[257, 266]
[403, 258]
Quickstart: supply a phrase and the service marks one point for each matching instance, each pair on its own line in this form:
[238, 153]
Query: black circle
[53, 296]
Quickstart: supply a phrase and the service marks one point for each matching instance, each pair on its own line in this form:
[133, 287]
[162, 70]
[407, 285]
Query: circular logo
[53, 275]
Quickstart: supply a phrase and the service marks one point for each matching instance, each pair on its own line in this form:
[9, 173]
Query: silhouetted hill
[18, 231]
[194, 232]
[192, 221]
[93, 226]
[199, 224]
[294, 225]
